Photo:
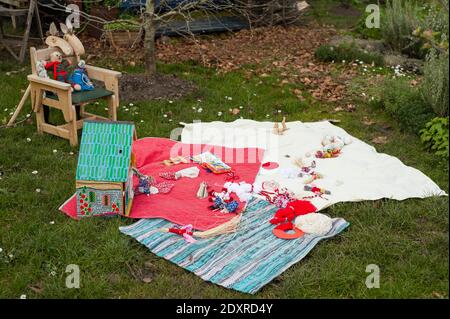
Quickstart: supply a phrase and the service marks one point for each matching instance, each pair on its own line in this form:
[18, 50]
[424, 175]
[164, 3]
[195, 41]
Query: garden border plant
[347, 52]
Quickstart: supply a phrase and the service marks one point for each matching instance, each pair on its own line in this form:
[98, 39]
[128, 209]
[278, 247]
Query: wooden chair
[58, 95]
[14, 9]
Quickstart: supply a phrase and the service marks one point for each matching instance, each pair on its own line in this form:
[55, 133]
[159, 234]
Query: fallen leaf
[380, 140]
[350, 107]
[147, 279]
[37, 288]
[149, 265]
[367, 121]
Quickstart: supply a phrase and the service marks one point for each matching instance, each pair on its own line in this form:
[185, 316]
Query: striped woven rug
[245, 260]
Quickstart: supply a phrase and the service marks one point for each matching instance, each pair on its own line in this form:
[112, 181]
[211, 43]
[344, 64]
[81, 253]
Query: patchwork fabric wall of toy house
[104, 179]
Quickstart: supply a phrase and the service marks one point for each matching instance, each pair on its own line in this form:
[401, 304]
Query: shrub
[399, 21]
[405, 104]
[347, 52]
[436, 19]
[435, 136]
[367, 33]
[436, 83]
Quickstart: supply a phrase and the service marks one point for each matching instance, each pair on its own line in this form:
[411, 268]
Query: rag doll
[59, 67]
[40, 69]
[332, 146]
[292, 210]
[79, 79]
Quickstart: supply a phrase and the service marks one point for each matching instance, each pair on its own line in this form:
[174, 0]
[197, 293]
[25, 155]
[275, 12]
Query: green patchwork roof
[105, 151]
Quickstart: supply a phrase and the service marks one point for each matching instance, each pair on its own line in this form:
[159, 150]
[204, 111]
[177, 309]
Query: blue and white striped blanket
[245, 260]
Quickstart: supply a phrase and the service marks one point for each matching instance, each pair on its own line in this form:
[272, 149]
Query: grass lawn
[408, 240]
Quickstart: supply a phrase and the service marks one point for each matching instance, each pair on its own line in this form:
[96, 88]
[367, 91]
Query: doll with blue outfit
[79, 79]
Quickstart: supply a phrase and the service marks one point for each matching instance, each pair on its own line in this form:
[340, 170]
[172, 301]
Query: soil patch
[139, 87]
[344, 10]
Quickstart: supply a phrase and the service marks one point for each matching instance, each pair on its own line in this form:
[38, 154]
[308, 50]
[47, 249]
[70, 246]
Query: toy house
[104, 177]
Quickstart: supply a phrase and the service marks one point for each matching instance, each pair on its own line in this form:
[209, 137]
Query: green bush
[435, 136]
[399, 21]
[436, 83]
[436, 19]
[367, 33]
[405, 104]
[348, 53]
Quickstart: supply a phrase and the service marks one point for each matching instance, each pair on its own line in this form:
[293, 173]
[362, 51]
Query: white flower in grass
[170, 120]
[267, 115]
[23, 296]
[6, 110]
[55, 151]
[28, 139]
[126, 110]
[34, 172]
[165, 115]
[38, 190]
[28, 115]
[131, 104]
[142, 121]
[170, 101]
[279, 111]
[219, 113]
[241, 107]
[52, 222]
[343, 61]
[200, 110]
[106, 109]
[230, 98]
[11, 256]
[53, 273]
[11, 113]
[71, 153]
[1, 249]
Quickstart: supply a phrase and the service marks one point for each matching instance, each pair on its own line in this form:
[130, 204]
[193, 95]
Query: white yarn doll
[41, 71]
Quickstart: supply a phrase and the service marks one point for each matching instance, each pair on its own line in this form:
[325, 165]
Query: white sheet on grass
[359, 173]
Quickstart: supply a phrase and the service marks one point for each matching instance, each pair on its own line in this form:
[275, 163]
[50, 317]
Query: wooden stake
[19, 107]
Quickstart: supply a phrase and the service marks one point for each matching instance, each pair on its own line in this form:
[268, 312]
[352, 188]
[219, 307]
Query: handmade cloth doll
[79, 79]
[185, 231]
[40, 69]
[59, 67]
[292, 210]
[332, 146]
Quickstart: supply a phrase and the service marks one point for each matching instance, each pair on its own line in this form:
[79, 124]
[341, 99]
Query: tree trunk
[149, 38]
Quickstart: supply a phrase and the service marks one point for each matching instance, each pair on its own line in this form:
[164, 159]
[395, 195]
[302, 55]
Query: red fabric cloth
[181, 206]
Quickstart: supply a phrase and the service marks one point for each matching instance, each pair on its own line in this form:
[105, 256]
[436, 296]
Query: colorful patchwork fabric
[244, 261]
